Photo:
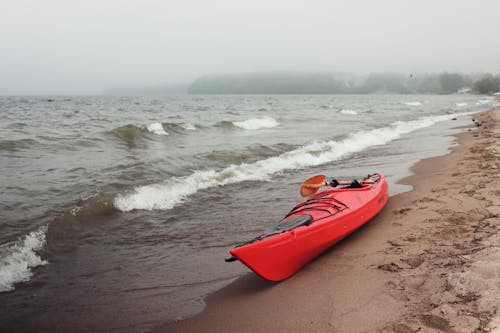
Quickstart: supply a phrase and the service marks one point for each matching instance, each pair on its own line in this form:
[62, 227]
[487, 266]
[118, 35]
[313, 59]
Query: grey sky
[72, 46]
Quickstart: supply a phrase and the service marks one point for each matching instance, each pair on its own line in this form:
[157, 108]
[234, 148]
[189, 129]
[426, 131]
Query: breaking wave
[412, 103]
[461, 104]
[256, 123]
[156, 128]
[175, 190]
[349, 112]
[132, 131]
[17, 260]
[188, 126]
[484, 101]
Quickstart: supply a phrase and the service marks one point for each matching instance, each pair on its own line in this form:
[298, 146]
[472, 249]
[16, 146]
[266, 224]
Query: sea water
[116, 212]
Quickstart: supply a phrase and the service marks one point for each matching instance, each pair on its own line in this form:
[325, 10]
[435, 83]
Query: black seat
[354, 184]
[291, 223]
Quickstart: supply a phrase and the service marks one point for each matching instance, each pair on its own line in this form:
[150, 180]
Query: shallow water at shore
[118, 211]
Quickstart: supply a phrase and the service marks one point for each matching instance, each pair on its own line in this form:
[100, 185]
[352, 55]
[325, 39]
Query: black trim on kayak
[294, 222]
[300, 208]
[328, 203]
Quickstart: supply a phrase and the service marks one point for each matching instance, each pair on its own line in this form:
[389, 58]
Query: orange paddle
[312, 185]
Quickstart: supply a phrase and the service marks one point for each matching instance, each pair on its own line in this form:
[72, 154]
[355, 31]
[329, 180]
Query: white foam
[188, 126]
[175, 190]
[347, 111]
[256, 123]
[156, 128]
[412, 103]
[17, 259]
[484, 101]
[461, 104]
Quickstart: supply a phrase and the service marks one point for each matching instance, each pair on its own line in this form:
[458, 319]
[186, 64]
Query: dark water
[116, 212]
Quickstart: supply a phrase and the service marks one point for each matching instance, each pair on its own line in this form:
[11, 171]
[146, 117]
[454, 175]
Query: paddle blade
[312, 185]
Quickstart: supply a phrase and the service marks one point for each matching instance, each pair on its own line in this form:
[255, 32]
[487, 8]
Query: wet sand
[429, 262]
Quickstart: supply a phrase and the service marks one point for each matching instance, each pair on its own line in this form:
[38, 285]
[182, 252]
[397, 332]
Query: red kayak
[312, 226]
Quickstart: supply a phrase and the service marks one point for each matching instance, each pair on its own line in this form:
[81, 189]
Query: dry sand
[429, 262]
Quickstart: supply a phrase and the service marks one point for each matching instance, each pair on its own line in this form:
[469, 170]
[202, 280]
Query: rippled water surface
[117, 212]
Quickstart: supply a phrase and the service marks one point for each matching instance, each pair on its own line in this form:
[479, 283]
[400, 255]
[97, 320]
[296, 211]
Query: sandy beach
[429, 262]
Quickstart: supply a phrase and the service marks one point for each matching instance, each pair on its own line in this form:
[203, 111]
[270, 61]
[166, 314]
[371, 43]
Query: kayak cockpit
[292, 223]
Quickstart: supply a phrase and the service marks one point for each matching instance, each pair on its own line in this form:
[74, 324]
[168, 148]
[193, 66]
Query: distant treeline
[331, 83]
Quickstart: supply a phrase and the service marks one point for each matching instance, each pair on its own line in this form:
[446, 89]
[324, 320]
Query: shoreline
[419, 266]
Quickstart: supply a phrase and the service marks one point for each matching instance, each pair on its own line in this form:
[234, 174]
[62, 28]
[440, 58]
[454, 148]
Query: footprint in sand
[401, 211]
[413, 262]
